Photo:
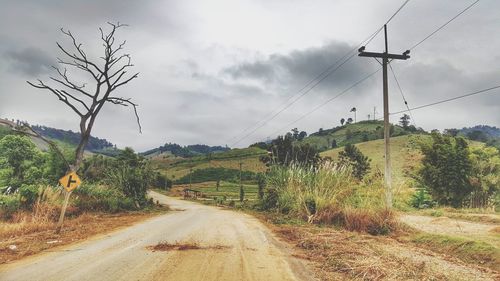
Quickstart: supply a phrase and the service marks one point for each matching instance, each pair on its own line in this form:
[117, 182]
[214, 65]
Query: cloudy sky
[210, 69]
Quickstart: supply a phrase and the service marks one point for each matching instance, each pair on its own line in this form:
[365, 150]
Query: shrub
[421, 199]
[89, 197]
[29, 195]
[352, 156]
[9, 204]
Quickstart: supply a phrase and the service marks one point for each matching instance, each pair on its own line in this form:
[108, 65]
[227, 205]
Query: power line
[444, 25]
[397, 11]
[319, 77]
[402, 95]
[328, 101]
[290, 104]
[448, 100]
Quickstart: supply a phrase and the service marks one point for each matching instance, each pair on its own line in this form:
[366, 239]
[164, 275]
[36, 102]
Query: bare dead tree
[107, 74]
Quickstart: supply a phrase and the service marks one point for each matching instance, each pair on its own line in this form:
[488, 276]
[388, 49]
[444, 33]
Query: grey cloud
[30, 61]
[301, 66]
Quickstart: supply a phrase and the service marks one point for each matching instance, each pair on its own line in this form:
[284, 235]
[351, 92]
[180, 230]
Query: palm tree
[342, 121]
[354, 110]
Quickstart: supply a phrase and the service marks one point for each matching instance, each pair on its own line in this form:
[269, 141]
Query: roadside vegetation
[331, 204]
[113, 189]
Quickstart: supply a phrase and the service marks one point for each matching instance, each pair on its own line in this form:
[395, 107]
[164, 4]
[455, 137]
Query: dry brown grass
[177, 246]
[344, 255]
[32, 233]
[495, 230]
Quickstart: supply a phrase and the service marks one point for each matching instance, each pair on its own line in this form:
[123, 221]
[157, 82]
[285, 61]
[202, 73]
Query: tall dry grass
[41, 217]
[330, 194]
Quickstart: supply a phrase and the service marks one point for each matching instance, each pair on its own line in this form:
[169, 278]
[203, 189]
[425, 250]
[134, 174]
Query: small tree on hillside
[334, 143]
[353, 157]
[342, 121]
[405, 121]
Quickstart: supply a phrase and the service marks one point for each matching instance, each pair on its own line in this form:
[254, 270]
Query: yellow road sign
[70, 181]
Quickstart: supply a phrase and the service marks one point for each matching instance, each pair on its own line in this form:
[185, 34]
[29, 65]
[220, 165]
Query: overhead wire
[402, 94]
[319, 78]
[444, 25]
[448, 100]
[328, 100]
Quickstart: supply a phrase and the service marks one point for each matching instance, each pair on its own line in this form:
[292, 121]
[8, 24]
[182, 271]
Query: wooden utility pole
[242, 194]
[190, 176]
[385, 56]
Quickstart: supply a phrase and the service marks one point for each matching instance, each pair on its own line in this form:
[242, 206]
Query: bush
[352, 156]
[421, 199]
[29, 195]
[89, 197]
[9, 204]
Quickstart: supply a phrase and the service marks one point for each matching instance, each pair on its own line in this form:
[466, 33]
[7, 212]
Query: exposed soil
[165, 246]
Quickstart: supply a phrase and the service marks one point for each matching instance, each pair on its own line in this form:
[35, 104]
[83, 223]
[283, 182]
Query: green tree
[284, 152]
[446, 168]
[131, 174]
[21, 161]
[405, 121]
[485, 178]
[353, 157]
[261, 184]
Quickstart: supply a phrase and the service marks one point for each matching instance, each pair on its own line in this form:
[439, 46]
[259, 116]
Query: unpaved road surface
[233, 246]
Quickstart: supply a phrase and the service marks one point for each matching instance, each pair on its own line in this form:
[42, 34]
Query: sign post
[69, 182]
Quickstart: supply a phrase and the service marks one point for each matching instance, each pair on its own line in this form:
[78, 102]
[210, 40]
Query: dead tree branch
[106, 76]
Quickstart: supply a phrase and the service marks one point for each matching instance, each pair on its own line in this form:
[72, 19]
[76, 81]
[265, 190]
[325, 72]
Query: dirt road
[231, 246]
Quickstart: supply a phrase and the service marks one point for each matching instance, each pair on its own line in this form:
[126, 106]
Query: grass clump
[329, 194]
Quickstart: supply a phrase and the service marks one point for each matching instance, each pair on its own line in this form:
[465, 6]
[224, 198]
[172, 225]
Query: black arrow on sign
[70, 181]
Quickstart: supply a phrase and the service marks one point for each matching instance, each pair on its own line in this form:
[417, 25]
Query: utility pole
[242, 193]
[374, 113]
[385, 56]
[190, 176]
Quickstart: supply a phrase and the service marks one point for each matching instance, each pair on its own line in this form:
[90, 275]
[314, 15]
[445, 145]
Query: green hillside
[176, 167]
[352, 133]
[405, 155]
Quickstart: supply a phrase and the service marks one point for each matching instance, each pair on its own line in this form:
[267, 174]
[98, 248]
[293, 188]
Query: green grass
[470, 251]
[405, 155]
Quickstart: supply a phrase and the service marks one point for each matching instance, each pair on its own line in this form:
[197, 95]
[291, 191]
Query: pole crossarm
[403, 56]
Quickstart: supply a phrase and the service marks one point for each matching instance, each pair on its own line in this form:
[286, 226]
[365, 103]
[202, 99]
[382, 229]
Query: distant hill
[184, 151]
[65, 137]
[95, 144]
[491, 131]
